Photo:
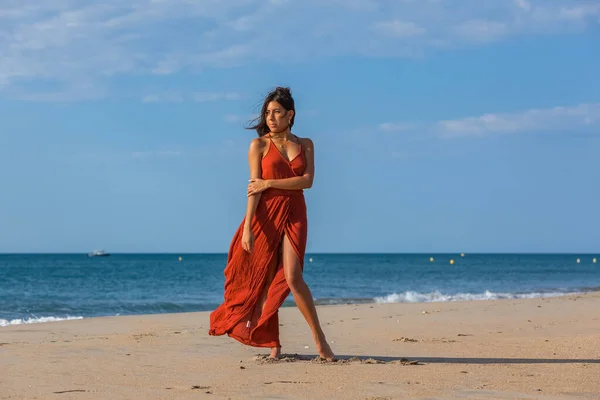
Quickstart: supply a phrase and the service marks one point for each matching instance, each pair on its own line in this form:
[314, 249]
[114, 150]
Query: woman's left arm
[296, 183]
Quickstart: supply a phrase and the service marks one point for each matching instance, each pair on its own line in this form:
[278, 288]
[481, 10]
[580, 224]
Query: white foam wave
[416, 297]
[34, 320]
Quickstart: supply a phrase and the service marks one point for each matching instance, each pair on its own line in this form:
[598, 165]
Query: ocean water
[39, 288]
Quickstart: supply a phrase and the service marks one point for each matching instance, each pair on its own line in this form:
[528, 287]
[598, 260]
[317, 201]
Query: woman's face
[277, 117]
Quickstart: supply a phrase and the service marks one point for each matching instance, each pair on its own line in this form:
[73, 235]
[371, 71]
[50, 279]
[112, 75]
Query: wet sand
[501, 349]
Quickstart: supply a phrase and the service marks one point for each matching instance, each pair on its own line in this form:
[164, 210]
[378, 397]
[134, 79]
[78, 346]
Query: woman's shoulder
[305, 142]
[259, 143]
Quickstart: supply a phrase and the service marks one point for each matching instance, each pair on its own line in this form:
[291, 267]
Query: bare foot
[275, 353]
[325, 351]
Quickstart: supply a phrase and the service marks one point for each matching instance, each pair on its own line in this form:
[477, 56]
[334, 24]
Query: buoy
[431, 259]
[578, 261]
[594, 261]
[180, 258]
[451, 261]
[462, 254]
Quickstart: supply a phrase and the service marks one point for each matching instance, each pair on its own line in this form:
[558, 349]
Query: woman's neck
[287, 135]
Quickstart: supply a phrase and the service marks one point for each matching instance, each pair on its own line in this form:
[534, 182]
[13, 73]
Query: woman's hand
[256, 186]
[248, 240]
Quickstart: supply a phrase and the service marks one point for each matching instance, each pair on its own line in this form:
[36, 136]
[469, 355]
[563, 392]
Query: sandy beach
[501, 349]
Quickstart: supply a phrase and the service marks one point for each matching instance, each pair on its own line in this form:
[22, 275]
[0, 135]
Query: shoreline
[308, 254]
[318, 303]
[544, 348]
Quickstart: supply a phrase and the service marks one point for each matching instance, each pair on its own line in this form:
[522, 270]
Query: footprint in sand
[263, 359]
[195, 387]
[440, 340]
[71, 391]
[405, 339]
[142, 335]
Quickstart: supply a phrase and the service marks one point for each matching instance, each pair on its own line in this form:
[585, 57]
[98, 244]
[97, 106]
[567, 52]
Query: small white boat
[98, 253]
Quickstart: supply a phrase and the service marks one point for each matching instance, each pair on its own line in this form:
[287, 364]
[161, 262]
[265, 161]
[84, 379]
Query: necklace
[284, 141]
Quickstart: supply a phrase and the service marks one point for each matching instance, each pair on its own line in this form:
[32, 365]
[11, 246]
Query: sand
[501, 349]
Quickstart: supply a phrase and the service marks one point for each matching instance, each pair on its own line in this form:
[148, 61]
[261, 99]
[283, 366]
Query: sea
[37, 288]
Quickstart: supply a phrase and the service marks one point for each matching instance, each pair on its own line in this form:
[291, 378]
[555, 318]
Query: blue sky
[439, 125]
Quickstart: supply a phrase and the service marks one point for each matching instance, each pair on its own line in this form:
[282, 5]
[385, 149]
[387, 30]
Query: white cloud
[397, 28]
[151, 98]
[163, 98]
[482, 30]
[580, 12]
[73, 42]
[210, 96]
[395, 127]
[572, 118]
[566, 119]
[524, 4]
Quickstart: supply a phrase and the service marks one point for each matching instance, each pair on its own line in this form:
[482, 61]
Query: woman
[266, 256]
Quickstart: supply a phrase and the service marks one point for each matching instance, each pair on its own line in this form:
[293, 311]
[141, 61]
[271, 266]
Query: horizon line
[323, 253]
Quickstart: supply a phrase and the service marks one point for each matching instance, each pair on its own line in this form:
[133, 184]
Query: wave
[437, 296]
[34, 320]
[403, 297]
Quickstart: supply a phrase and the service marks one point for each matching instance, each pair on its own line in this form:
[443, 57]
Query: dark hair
[283, 96]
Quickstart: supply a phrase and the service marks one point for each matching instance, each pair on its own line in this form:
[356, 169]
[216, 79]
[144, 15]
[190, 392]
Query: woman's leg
[260, 305]
[275, 351]
[303, 297]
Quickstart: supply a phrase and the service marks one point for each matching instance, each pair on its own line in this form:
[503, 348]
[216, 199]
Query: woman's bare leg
[303, 297]
[275, 351]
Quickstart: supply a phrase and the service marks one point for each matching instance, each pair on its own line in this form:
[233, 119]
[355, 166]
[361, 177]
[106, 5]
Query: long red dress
[242, 315]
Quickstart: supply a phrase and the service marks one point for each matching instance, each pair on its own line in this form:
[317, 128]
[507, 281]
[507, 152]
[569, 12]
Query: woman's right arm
[254, 158]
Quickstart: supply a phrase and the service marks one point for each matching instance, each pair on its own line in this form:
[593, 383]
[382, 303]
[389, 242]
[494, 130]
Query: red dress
[278, 212]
